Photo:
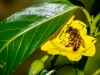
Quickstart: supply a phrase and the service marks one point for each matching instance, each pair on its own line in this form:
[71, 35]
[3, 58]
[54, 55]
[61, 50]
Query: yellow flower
[71, 44]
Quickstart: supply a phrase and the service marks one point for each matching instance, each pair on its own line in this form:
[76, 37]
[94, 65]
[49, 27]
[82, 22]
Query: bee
[74, 40]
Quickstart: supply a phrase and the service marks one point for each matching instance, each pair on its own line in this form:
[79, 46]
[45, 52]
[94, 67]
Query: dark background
[9, 7]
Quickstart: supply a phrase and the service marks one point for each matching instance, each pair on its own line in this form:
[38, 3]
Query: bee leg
[83, 46]
[69, 44]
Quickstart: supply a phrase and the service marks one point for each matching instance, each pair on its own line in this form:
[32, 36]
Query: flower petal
[87, 39]
[47, 45]
[74, 57]
[88, 42]
[70, 20]
[54, 51]
[90, 51]
[70, 56]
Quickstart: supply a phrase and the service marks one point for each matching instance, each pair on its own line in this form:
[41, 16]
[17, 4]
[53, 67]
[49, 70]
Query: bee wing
[79, 41]
[82, 41]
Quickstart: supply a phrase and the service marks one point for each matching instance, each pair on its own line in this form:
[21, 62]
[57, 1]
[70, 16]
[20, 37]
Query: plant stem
[82, 63]
[97, 72]
[54, 60]
[86, 13]
[45, 58]
[97, 34]
[92, 21]
[93, 25]
[89, 18]
[96, 19]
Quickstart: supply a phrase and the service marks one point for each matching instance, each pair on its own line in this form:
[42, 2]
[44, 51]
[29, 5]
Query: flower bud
[36, 67]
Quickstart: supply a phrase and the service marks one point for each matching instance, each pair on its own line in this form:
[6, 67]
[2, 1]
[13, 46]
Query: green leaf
[3, 61]
[23, 32]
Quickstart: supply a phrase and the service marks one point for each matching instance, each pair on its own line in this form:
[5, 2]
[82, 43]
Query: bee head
[69, 29]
